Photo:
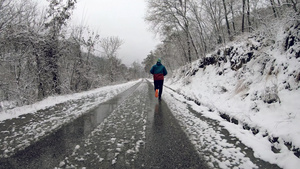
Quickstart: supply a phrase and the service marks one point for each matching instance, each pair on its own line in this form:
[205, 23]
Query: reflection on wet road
[167, 146]
[133, 130]
[49, 151]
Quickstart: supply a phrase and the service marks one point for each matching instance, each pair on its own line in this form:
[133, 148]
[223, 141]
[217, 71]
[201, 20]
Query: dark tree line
[40, 57]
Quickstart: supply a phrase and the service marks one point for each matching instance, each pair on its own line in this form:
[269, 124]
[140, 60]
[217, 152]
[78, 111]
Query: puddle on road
[49, 151]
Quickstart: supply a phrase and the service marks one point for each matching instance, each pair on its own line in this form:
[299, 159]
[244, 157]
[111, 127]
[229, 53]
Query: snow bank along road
[139, 132]
[24, 126]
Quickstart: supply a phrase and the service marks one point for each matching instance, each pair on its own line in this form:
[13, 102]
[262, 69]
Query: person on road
[159, 71]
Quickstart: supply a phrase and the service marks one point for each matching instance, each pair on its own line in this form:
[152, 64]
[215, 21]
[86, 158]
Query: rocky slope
[252, 81]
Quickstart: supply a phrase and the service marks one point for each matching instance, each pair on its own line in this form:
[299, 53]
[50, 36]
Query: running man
[159, 71]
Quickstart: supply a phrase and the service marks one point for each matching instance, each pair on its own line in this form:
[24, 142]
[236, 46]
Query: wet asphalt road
[133, 130]
[48, 152]
[167, 145]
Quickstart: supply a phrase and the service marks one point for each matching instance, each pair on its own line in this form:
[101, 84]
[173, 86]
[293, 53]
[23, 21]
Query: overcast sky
[122, 18]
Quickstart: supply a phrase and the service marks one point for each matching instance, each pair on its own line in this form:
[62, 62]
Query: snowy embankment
[22, 126]
[253, 82]
[108, 91]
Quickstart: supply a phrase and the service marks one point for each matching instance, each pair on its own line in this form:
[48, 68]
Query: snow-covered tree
[110, 46]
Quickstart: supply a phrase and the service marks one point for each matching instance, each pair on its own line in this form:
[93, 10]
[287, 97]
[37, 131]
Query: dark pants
[158, 84]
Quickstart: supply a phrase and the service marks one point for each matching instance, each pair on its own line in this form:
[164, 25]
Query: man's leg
[155, 85]
[161, 84]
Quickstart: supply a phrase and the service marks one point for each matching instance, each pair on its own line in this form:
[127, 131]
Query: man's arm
[165, 71]
[152, 70]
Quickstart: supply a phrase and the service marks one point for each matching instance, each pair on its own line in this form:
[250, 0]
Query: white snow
[74, 105]
[208, 141]
[120, 136]
[240, 94]
[108, 92]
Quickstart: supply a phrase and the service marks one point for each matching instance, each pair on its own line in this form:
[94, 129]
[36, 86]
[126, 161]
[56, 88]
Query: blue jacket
[159, 71]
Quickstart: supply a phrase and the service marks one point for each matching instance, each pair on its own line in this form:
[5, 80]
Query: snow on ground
[209, 142]
[116, 142]
[254, 81]
[221, 149]
[106, 93]
[21, 127]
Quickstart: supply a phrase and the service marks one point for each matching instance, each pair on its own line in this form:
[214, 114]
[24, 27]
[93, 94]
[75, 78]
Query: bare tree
[248, 15]
[148, 62]
[215, 16]
[17, 64]
[232, 15]
[273, 7]
[201, 30]
[110, 46]
[38, 59]
[172, 16]
[226, 18]
[243, 16]
[294, 4]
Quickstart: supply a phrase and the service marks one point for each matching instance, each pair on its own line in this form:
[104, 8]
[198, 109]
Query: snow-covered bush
[270, 95]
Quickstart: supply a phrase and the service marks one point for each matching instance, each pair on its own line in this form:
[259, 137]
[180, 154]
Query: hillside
[253, 82]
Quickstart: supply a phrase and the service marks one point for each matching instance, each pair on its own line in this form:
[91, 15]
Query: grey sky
[122, 18]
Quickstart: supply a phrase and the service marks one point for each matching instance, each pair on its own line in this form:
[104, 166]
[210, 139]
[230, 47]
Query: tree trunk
[227, 23]
[279, 8]
[273, 7]
[186, 28]
[294, 2]
[52, 57]
[202, 44]
[243, 17]
[215, 23]
[233, 18]
[40, 86]
[188, 44]
[180, 41]
[248, 15]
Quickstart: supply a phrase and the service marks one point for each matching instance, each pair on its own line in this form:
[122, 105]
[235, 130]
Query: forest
[190, 29]
[42, 55]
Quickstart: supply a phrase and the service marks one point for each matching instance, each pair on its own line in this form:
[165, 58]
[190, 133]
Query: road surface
[132, 130]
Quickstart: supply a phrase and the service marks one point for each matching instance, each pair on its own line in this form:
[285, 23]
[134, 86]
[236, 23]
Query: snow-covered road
[133, 130]
[24, 126]
[140, 133]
